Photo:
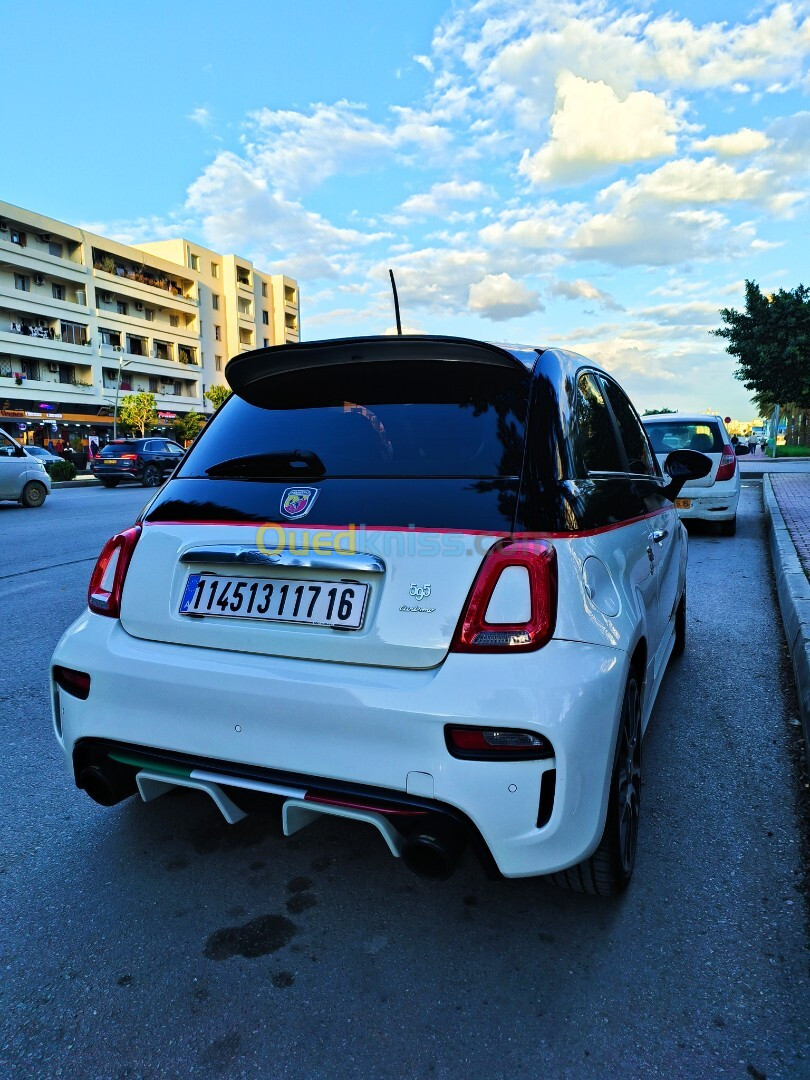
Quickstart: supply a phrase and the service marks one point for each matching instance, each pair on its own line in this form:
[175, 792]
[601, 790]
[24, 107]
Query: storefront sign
[167, 415]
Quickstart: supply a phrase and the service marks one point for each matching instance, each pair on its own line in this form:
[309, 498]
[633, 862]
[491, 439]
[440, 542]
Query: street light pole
[122, 363]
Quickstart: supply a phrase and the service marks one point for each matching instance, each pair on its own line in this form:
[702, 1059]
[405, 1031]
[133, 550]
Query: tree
[217, 394]
[652, 412]
[187, 427]
[138, 411]
[771, 341]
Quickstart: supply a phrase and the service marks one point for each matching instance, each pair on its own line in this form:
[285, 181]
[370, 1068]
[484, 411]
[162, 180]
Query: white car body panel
[17, 471]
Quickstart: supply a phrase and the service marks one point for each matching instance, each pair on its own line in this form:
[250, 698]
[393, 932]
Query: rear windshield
[420, 418]
[117, 448]
[685, 435]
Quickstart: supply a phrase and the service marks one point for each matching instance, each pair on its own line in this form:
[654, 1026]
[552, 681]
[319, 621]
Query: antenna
[396, 302]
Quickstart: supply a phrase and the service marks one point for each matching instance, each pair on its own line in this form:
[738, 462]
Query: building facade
[83, 316]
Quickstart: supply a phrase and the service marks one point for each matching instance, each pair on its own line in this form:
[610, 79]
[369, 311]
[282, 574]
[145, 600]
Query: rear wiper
[281, 463]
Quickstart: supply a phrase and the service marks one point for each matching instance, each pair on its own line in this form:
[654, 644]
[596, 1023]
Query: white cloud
[499, 297]
[200, 116]
[694, 182]
[441, 196]
[736, 144]
[584, 290]
[592, 127]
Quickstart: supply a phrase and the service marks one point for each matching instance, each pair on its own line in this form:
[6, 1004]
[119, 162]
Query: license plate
[290, 600]
[108, 461]
[683, 504]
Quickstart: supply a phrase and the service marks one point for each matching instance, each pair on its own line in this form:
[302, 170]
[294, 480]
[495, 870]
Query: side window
[596, 436]
[151, 447]
[640, 458]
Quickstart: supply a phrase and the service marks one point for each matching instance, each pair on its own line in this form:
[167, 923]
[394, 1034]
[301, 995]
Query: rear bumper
[117, 474]
[711, 504]
[377, 727]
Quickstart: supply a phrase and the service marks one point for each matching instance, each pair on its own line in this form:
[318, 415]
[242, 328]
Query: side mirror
[683, 465]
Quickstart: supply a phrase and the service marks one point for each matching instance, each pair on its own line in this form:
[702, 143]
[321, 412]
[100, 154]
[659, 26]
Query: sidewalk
[754, 466]
[80, 480]
[787, 509]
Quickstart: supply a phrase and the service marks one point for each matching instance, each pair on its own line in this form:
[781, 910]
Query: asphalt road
[156, 941]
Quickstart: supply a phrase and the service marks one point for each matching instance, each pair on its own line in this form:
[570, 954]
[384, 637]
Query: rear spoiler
[248, 372]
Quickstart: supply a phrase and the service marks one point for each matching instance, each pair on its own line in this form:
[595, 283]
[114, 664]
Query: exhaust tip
[433, 851]
[106, 786]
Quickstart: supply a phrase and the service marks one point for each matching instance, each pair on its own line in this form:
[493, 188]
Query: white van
[22, 478]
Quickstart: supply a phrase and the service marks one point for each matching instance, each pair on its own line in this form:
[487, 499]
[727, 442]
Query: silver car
[22, 478]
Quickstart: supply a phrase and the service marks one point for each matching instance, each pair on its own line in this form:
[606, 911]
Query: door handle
[651, 557]
[659, 535]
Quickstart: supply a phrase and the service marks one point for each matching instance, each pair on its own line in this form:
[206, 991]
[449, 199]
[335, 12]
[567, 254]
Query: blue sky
[598, 175]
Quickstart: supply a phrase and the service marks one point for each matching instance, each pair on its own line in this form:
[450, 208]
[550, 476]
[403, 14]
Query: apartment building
[82, 315]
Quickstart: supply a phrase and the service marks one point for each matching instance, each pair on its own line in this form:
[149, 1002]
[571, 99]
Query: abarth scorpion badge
[298, 501]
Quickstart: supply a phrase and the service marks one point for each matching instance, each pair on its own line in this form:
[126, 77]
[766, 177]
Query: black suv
[149, 461]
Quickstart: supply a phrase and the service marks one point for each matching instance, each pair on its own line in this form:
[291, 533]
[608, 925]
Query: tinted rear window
[414, 419]
[669, 435]
[117, 448]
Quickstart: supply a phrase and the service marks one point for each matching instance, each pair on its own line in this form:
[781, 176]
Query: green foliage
[138, 411]
[771, 341]
[652, 412]
[187, 427]
[62, 470]
[217, 394]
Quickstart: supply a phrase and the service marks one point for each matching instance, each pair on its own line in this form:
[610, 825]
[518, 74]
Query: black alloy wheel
[151, 476]
[608, 871]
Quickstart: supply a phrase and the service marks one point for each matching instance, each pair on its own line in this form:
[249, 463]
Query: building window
[136, 345]
[30, 369]
[55, 249]
[218, 333]
[267, 343]
[67, 373]
[244, 306]
[178, 389]
[163, 350]
[218, 363]
[149, 314]
[265, 318]
[214, 269]
[74, 333]
[22, 282]
[242, 276]
[122, 307]
[174, 320]
[264, 288]
[58, 292]
[6, 367]
[194, 261]
[215, 301]
[153, 384]
[245, 336]
[17, 237]
[110, 337]
[187, 354]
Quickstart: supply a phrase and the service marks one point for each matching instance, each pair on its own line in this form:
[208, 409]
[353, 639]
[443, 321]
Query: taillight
[129, 457]
[107, 581]
[498, 744]
[74, 682]
[728, 463]
[475, 634]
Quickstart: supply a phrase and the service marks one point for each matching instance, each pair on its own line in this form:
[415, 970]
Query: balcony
[109, 268]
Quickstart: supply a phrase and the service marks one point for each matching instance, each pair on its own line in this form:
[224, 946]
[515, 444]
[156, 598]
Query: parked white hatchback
[23, 478]
[713, 497]
[426, 583]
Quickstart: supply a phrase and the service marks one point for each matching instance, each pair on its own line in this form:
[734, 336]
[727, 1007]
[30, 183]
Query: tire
[151, 476]
[608, 871]
[110, 483]
[33, 494]
[680, 627]
[728, 528]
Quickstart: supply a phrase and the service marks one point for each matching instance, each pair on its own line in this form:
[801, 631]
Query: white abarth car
[423, 582]
[713, 497]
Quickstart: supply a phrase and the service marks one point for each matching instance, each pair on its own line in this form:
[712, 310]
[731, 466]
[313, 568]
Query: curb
[76, 482]
[793, 589]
